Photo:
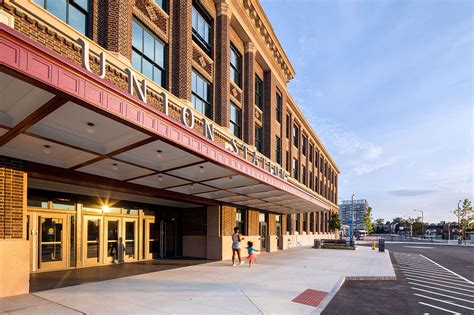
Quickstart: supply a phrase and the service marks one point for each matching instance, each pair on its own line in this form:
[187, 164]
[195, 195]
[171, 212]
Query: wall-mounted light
[158, 154]
[90, 127]
[47, 148]
[114, 166]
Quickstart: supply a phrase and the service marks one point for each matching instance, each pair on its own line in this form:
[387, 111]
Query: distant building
[359, 210]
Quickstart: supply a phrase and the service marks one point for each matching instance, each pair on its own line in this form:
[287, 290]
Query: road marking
[443, 285]
[439, 308]
[435, 277]
[443, 301]
[423, 247]
[467, 280]
[430, 272]
[442, 294]
[435, 288]
[434, 280]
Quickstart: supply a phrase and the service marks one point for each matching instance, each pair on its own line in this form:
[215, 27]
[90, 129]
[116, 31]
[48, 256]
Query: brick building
[159, 125]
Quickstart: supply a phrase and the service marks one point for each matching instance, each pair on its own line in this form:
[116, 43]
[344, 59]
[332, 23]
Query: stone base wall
[14, 267]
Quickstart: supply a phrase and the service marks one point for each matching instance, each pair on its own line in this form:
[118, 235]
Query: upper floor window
[305, 145]
[296, 136]
[287, 126]
[310, 180]
[235, 120]
[73, 12]
[201, 95]
[296, 166]
[278, 107]
[303, 174]
[240, 220]
[235, 66]
[316, 160]
[258, 92]
[202, 29]
[148, 53]
[258, 138]
[287, 162]
[311, 152]
[278, 150]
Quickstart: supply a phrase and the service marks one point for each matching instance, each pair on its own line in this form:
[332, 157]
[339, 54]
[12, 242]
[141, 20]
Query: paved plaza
[217, 288]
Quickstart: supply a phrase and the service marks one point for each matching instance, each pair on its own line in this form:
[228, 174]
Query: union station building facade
[153, 126]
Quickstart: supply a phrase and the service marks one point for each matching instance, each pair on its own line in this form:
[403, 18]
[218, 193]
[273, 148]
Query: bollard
[373, 245]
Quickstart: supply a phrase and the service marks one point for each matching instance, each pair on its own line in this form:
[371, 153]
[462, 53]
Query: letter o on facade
[184, 121]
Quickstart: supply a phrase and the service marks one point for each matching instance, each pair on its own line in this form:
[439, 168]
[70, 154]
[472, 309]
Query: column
[214, 237]
[115, 30]
[249, 94]
[269, 114]
[14, 248]
[182, 50]
[222, 64]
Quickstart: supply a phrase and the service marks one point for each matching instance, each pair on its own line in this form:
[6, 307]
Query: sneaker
[242, 262]
[234, 265]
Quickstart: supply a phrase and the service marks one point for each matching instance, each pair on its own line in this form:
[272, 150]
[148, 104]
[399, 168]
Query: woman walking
[236, 238]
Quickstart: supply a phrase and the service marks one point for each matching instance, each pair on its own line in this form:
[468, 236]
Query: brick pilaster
[12, 198]
[115, 28]
[269, 114]
[272, 224]
[222, 64]
[249, 94]
[182, 49]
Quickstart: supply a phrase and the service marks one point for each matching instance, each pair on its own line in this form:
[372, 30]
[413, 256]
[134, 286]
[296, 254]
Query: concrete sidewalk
[217, 288]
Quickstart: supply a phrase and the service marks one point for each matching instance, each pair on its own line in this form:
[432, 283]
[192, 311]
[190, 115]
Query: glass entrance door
[111, 239]
[169, 238]
[263, 231]
[151, 239]
[92, 228]
[52, 252]
[130, 236]
[278, 231]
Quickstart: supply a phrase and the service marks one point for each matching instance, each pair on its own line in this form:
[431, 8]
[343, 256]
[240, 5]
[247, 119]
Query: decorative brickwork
[272, 224]
[228, 220]
[12, 196]
[221, 86]
[203, 63]
[153, 12]
[253, 223]
[283, 223]
[269, 114]
[115, 29]
[249, 94]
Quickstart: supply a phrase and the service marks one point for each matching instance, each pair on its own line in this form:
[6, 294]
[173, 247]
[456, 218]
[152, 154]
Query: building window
[316, 184]
[287, 126]
[278, 149]
[296, 136]
[298, 223]
[305, 221]
[235, 66]
[258, 138]
[288, 223]
[311, 152]
[311, 221]
[148, 54]
[73, 12]
[316, 160]
[296, 167]
[287, 162]
[240, 220]
[304, 146]
[201, 95]
[278, 107]
[258, 92]
[303, 174]
[235, 120]
[202, 29]
[310, 177]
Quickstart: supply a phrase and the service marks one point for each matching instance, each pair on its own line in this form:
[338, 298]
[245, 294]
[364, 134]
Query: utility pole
[351, 219]
[422, 224]
[459, 222]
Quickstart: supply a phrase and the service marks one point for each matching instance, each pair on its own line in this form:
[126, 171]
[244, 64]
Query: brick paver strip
[310, 297]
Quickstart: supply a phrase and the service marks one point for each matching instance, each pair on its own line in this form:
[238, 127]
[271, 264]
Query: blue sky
[388, 87]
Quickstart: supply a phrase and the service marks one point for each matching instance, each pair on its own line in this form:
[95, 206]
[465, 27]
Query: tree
[368, 219]
[379, 221]
[334, 221]
[465, 216]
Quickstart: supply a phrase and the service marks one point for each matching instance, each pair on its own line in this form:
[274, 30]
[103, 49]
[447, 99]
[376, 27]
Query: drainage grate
[310, 297]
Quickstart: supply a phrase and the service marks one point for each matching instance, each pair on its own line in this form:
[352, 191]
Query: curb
[327, 299]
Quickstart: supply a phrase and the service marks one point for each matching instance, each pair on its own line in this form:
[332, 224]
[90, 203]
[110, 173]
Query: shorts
[235, 245]
[252, 257]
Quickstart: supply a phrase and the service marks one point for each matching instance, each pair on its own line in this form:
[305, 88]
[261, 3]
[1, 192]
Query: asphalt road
[422, 286]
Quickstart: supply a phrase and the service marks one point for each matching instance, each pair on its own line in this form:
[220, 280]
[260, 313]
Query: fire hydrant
[373, 245]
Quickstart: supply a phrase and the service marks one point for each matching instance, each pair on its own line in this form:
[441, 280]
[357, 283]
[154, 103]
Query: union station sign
[187, 114]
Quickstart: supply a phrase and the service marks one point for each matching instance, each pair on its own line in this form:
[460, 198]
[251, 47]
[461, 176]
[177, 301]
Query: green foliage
[465, 215]
[334, 221]
[368, 219]
[337, 246]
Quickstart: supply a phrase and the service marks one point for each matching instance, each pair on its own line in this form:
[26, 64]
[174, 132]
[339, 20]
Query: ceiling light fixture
[192, 186]
[160, 178]
[47, 149]
[201, 170]
[230, 179]
[158, 154]
[114, 166]
[90, 127]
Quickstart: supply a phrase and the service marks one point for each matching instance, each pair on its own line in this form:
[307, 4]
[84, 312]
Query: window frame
[197, 38]
[164, 71]
[209, 102]
[243, 223]
[279, 106]
[296, 168]
[304, 145]
[76, 6]
[278, 150]
[296, 135]
[259, 140]
[311, 149]
[234, 67]
[258, 96]
[233, 123]
[287, 125]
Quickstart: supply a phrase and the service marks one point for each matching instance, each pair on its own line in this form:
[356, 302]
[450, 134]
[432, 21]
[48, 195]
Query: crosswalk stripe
[435, 288]
[439, 308]
[451, 280]
[450, 271]
[443, 301]
[442, 294]
[428, 271]
[443, 285]
[442, 281]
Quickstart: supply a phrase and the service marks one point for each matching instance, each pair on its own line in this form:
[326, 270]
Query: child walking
[251, 251]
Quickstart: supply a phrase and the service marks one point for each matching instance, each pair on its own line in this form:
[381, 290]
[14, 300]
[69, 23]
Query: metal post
[351, 218]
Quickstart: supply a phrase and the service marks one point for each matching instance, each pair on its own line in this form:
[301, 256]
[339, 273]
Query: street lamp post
[422, 220]
[351, 219]
[459, 222]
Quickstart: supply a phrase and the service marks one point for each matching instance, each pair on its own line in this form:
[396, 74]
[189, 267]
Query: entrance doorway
[278, 231]
[263, 228]
[92, 228]
[51, 241]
